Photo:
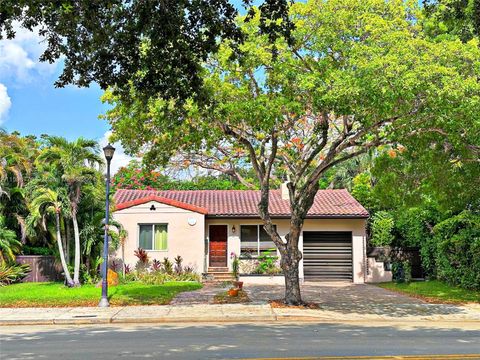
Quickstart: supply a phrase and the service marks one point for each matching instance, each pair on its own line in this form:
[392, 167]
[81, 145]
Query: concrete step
[218, 269]
[223, 277]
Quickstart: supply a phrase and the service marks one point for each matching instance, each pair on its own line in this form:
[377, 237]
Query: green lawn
[434, 291]
[57, 295]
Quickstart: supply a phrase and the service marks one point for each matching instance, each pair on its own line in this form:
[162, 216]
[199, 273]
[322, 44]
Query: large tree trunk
[76, 234]
[289, 264]
[290, 259]
[289, 252]
[62, 254]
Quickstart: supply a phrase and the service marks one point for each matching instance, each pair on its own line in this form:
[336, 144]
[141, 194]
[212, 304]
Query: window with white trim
[254, 241]
[153, 236]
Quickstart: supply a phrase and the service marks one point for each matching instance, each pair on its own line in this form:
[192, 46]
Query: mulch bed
[280, 303]
[224, 298]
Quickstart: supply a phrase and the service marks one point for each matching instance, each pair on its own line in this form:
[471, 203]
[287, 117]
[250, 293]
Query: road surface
[196, 341]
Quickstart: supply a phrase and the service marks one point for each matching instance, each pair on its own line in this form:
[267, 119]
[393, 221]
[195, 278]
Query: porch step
[217, 276]
[217, 269]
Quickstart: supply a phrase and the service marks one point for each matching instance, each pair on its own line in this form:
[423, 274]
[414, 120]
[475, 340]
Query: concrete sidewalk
[222, 314]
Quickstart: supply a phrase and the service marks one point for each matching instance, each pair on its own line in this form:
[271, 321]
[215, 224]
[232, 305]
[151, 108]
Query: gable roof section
[162, 200]
[243, 203]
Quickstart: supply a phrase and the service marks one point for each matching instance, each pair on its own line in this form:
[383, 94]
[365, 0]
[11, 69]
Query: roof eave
[246, 216]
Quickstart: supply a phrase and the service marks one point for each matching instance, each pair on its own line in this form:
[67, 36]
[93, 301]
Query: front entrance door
[218, 245]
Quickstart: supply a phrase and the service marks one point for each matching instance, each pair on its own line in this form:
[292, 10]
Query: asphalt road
[233, 341]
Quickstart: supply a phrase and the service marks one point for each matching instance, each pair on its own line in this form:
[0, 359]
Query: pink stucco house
[206, 226]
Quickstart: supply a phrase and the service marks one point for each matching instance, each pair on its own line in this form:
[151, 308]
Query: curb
[226, 319]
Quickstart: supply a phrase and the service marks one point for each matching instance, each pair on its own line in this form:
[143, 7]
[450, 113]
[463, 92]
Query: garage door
[327, 255]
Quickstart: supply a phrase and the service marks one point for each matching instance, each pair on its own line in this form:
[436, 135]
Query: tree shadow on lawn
[234, 341]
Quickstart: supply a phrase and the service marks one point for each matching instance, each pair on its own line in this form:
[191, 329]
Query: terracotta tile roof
[242, 203]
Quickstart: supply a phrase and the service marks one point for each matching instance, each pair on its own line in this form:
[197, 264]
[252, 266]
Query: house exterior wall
[182, 239]
[356, 226]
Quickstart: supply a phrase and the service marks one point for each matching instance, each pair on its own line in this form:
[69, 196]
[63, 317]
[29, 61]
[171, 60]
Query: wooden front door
[218, 245]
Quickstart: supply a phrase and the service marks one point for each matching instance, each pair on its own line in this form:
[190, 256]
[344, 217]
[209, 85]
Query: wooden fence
[43, 268]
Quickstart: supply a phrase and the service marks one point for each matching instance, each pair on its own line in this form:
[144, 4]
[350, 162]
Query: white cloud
[5, 102]
[119, 158]
[19, 57]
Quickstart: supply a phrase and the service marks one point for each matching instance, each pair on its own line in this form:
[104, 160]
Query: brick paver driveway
[354, 298]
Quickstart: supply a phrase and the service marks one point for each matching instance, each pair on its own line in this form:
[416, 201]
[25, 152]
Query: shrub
[160, 272]
[398, 271]
[167, 266]
[235, 265]
[407, 271]
[178, 264]
[156, 265]
[381, 228]
[153, 278]
[115, 266]
[267, 264]
[158, 278]
[143, 260]
[37, 250]
[12, 273]
[190, 276]
[458, 250]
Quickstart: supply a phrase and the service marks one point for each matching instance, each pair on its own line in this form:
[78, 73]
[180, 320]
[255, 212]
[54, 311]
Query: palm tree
[9, 245]
[76, 161]
[47, 202]
[16, 166]
[15, 159]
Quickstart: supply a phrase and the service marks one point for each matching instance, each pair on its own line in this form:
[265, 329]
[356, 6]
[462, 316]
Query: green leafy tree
[459, 18]
[359, 75]
[76, 162]
[362, 190]
[382, 225]
[155, 46]
[457, 255]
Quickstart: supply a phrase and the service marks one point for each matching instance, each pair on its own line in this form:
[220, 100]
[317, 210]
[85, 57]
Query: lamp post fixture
[108, 151]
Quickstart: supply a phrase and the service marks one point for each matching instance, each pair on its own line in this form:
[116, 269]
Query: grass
[434, 291]
[57, 295]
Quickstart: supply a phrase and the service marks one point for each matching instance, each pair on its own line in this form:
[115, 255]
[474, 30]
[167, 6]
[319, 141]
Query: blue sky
[30, 103]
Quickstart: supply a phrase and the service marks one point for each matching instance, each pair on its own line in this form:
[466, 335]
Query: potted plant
[235, 271]
[233, 292]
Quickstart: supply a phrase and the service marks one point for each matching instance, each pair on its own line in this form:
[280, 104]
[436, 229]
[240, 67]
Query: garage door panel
[327, 255]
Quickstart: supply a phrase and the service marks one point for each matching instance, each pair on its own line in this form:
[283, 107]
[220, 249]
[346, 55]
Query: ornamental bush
[458, 250]
[12, 273]
[382, 229]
